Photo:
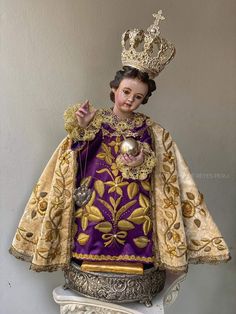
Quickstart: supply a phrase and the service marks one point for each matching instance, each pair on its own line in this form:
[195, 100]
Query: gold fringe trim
[215, 260]
[37, 268]
[19, 255]
[49, 268]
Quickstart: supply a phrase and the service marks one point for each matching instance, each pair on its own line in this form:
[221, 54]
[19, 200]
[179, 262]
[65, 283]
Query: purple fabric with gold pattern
[116, 223]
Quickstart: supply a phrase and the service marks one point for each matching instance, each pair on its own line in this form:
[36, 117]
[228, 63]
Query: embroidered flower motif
[188, 209]
[57, 201]
[170, 202]
[168, 157]
[42, 206]
[65, 158]
[116, 144]
[114, 169]
[106, 154]
[116, 185]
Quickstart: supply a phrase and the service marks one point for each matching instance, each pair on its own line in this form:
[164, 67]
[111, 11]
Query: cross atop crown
[154, 28]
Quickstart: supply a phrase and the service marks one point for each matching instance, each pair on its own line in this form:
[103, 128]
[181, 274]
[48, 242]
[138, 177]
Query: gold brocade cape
[184, 231]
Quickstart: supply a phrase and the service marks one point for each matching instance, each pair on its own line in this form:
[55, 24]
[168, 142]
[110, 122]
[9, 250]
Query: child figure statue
[117, 193]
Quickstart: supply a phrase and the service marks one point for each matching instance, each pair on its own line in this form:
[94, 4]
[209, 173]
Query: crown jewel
[147, 51]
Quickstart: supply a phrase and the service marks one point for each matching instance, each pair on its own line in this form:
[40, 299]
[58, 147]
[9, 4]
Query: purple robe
[116, 224]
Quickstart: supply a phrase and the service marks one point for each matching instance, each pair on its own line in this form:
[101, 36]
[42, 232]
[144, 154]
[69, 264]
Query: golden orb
[129, 146]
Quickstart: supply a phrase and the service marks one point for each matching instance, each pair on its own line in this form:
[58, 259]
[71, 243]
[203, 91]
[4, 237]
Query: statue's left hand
[132, 161]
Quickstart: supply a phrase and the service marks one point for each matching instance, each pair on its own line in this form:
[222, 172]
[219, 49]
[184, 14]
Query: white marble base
[71, 303]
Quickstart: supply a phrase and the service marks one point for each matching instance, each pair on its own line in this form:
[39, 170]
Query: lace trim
[75, 131]
[122, 127]
[139, 172]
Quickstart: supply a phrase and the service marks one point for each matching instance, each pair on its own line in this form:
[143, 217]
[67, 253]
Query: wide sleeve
[43, 236]
[77, 133]
[185, 230]
[204, 240]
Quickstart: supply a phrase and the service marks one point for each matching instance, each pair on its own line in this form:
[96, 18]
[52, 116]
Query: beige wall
[56, 52]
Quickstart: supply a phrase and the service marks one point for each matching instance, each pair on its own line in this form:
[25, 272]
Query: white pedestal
[72, 303]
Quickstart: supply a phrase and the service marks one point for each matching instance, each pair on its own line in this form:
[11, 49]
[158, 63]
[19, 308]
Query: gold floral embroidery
[116, 185]
[132, 190]
[205, 244]
[141, 242]
[193, 209]
[40, 201]
[190, 205]
[146, 185]
[116, 144]
[116, 213]
[104, 227]
[61, 189]
[114, 169]
[25, 235]
[117, 230]
[99, 187]
[175, 246]
[106, 154]
[83, 238]
[141, 214]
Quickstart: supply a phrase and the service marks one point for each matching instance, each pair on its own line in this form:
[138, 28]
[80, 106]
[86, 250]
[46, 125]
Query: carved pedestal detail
[117, 288]
[72, 303]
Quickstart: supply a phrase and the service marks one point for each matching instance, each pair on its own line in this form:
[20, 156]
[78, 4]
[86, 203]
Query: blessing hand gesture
[84, 115]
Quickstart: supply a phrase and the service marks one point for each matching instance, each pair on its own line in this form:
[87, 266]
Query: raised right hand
[84, 115]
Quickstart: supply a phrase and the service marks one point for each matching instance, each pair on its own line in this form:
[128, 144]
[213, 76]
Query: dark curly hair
[129, 72]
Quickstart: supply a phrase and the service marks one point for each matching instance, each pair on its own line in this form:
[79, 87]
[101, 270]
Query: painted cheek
[121, 98]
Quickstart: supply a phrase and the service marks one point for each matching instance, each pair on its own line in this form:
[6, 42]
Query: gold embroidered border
[113, 258]
[174, 241]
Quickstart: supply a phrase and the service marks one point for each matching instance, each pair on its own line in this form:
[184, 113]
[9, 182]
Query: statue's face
[129, 96]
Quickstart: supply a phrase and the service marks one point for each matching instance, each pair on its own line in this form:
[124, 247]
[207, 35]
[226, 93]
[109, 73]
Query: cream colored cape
[184, 231]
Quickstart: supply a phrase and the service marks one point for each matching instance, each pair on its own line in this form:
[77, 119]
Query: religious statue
[116, 195]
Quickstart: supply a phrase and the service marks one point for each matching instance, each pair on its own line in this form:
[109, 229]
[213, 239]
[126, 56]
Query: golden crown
[147, 51]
